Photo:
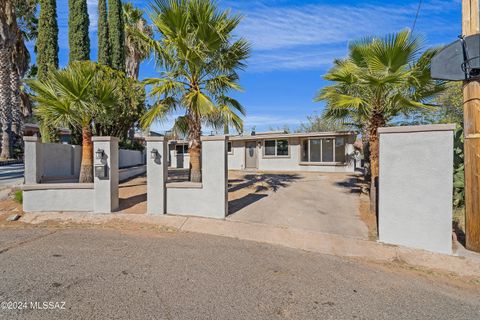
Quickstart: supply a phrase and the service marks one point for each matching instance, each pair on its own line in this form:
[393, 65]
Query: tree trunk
[17, 116]
[132, 65]
[86, 167]
[195, 149]
[5, 100]
[376, 122]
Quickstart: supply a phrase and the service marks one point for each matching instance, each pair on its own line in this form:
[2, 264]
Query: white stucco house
[280, 151]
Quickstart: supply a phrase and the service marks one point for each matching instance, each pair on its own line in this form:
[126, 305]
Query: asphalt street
[109, 274]
[11, 175]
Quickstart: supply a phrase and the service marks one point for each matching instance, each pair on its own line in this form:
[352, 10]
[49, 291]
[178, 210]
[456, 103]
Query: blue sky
[294, 43]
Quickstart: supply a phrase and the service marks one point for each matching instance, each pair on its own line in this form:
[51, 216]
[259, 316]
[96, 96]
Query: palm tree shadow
[352, 184]
[258, 185]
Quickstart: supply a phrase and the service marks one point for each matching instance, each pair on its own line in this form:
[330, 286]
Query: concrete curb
[466, 265]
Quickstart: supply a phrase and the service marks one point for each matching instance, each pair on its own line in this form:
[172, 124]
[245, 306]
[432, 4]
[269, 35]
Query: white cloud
[93, 14]
[264, 121]
[304, 58]
[294, 36]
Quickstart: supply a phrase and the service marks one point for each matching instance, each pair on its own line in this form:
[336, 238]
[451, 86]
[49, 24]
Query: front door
[251, 155]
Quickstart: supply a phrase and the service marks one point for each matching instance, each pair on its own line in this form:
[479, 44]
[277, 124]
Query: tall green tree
[103, 43]
[200, 58]
[8, 38]
[47, 40]
[116, 34]
[381, 78]
[75, 97]
[136, 50]
[78, 38]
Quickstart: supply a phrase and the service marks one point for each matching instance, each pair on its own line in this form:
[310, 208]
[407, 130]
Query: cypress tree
[103, 46]
[78, 22]
[116, 34]
[47, 39]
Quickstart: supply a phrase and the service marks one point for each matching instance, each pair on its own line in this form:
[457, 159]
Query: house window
[327, 150]
[229, 147]
[181, 148]
[276, 148]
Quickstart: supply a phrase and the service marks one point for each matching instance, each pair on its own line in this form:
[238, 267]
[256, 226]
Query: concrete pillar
[106, 189]
[33, 159]
[215, 175]
[157, 174]
[415, 187]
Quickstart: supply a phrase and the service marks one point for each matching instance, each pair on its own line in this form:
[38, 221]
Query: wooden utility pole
[471, 111]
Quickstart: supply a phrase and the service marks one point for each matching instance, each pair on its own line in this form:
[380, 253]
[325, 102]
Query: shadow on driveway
[250, 188]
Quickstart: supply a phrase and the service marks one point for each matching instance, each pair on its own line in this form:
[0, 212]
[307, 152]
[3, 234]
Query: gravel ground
[147, 274]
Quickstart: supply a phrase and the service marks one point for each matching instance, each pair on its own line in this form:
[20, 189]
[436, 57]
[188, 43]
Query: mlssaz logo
[47, 305]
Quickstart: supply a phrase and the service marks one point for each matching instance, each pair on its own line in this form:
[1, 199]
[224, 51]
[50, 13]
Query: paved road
[11, 175]
[105, 274]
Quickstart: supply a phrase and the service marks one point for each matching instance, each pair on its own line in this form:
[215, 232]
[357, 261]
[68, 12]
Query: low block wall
[209, 198]
[415, 187]
[127, 173]
[130, 158]
[58, 197]
[61, 160]
[206, 199]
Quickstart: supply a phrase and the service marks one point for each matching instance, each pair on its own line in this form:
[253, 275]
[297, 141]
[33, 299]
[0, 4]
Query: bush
[18, 196]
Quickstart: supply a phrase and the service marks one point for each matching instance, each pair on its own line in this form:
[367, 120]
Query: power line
[416, 15]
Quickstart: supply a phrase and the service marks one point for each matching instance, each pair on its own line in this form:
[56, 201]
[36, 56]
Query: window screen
[327, 150]
[340, 150]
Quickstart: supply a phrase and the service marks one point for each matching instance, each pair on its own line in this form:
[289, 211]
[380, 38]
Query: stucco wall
[130, 158]
[236, 159]
[208, 199]
[415, 187]
[75, 198]
[127, 173]
[60, 160]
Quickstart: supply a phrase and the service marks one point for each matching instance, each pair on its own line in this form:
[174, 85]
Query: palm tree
[74, 97]
[378, 81]
[136, 50]
[199, 58]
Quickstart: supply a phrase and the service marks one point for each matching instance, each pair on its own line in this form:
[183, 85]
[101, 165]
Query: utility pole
[471, 111]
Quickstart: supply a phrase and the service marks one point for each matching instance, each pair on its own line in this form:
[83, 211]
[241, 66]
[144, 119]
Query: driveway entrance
[322, 202]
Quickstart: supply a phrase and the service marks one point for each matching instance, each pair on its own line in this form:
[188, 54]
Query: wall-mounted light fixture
[154, 154]
[99, 154]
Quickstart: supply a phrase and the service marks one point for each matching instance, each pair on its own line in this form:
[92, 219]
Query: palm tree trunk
[377, 121]
[132, 65]
[5, 100]
[17, 118]
[86, 167]
[195, 149]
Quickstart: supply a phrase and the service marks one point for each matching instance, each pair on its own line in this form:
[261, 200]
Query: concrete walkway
[321, 202]
[465, 265]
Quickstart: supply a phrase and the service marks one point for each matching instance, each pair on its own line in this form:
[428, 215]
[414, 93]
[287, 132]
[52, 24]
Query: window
[181, 148]
[270, 147]
[340, 150]
[276, 148]
[323, 150]
[229, 147]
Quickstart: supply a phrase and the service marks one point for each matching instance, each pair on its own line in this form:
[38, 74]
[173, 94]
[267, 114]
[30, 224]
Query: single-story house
[280, 151]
